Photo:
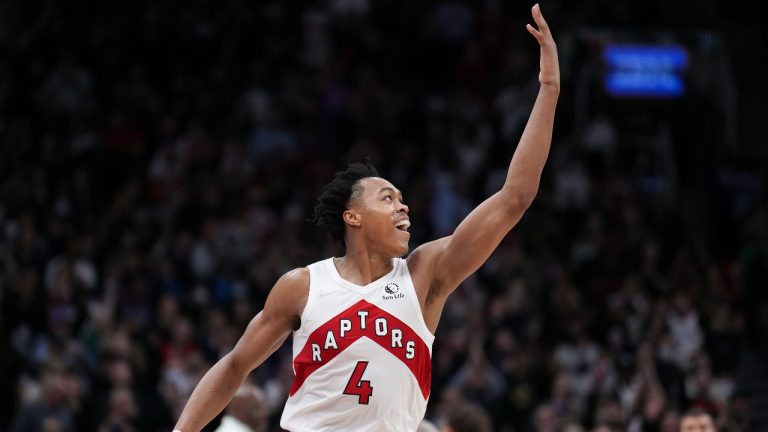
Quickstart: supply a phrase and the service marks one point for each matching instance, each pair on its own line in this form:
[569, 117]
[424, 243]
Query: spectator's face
[373, 214]
[562, 386]
[545, 419]
[682, 304]
[182, 332]
[123, 404]
[52, 424]
[256, 417]
[670, 422]
[54, 389]
[250, 408]
[120, 374]
[699, 423]
[73, 387]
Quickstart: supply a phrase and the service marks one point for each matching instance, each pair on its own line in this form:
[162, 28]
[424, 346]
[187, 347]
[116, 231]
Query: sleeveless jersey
[362, 356]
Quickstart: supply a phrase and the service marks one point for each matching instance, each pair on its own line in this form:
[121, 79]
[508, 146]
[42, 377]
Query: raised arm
[444, 263]
[265, 333]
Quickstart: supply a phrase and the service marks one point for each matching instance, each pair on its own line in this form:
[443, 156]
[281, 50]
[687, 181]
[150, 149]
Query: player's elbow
[517, 202]
[235, 365]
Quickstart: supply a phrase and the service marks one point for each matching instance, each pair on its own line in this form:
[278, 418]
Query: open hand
[549, 74]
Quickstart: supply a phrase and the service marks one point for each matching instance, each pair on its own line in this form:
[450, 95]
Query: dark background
[158, 161]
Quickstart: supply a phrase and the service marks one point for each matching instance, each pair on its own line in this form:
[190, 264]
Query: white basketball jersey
[362, 356]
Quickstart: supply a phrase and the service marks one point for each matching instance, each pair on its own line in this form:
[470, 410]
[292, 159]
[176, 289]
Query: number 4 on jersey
[356, 386]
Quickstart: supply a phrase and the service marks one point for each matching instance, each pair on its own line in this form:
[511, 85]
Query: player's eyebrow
[389, 189]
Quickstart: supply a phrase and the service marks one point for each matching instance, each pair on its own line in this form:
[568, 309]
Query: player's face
[383, 216]
[699, 423]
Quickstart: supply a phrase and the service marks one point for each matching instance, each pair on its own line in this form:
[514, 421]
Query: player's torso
[362, 356]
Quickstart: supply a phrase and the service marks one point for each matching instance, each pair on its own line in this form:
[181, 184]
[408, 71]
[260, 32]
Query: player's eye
[388, 197]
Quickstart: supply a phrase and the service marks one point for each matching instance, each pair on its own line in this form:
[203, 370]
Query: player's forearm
[524, 173]
[211, 395]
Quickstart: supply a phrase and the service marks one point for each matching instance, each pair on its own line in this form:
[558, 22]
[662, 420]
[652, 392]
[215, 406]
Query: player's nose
[403, 208]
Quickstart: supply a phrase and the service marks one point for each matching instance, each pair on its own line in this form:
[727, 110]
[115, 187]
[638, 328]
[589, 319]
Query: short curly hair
[467, 417]
[335, 198]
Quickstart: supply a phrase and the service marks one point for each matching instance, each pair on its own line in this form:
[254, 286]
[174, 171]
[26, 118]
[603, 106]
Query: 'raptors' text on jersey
[362, 356]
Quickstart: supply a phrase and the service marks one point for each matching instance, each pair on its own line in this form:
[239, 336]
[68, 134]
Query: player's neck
[362, 267]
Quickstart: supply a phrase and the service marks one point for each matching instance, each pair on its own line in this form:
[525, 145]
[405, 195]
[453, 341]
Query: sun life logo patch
[393, 291]
[391, 288]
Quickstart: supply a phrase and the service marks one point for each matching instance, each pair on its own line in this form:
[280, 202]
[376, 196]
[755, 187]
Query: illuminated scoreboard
[655, 71]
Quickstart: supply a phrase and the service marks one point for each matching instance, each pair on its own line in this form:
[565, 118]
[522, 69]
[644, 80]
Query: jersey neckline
[362, 289]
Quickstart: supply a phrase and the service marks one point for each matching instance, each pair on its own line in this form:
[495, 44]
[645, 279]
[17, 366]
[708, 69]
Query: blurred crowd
[158, 162]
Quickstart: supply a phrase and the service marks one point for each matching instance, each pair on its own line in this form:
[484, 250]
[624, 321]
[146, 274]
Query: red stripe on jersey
[420, 365]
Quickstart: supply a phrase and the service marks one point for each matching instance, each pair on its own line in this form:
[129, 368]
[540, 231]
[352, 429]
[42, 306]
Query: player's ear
[352, 217]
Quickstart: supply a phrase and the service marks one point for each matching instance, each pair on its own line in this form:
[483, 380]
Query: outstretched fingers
[534, 32]
[538, 18]
[549, 73]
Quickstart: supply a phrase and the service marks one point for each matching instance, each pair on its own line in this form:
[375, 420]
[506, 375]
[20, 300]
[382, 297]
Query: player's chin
[402, 245]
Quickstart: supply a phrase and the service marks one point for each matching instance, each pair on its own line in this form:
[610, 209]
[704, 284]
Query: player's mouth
[403, 225]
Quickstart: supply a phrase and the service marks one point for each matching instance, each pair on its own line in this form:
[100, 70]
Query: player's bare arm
[265, 333]
[440, 266]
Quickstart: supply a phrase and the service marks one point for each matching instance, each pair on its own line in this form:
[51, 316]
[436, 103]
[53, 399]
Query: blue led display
[645, 70]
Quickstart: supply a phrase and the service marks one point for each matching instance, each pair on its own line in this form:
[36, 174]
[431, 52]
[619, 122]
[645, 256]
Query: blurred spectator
[246, 412]
[479, 381]
[546, 419]
[464, 417]
[685, 333]
[670, 422]
[427, 426]
[45, 407]
[697, 420]
[122, 413]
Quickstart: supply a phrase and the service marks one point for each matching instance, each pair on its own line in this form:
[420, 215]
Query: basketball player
[363, 323]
